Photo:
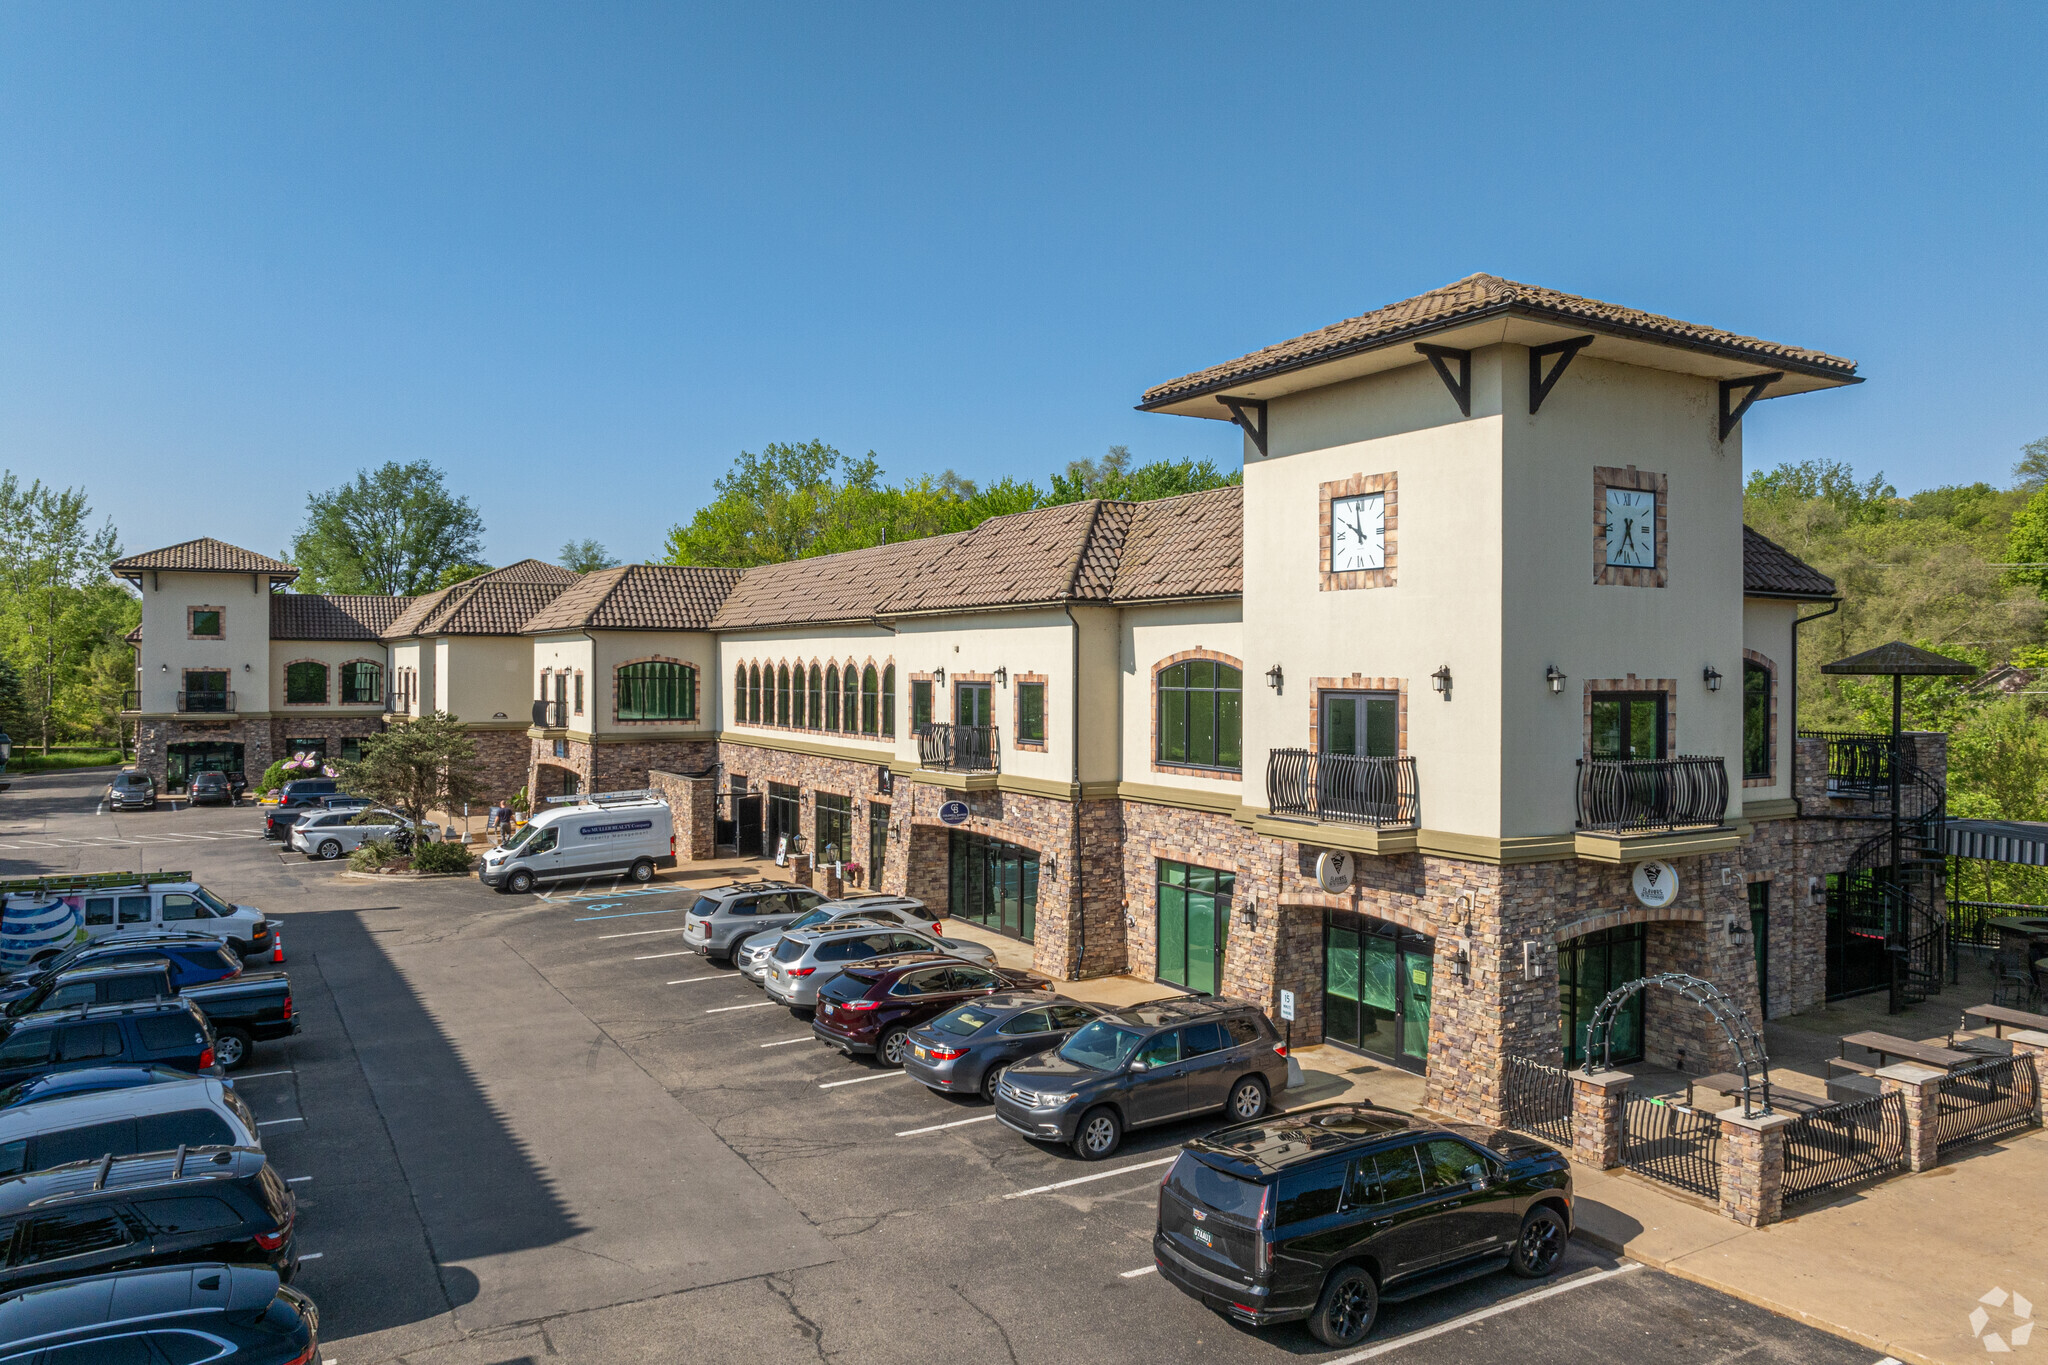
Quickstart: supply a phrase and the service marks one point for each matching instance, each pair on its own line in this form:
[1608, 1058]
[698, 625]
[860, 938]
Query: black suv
[1151, 1063]
[194, 959]
[1323, 1213]
[305, 793]
[118, 1213]
[170, 1033]
[238, 1315]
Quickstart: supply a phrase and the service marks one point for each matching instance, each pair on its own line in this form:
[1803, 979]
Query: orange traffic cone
[276, 946]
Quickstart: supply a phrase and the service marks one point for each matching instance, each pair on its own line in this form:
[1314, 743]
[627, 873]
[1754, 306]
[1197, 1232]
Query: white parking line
[253, 1075]
[643, 933]
[878, 1076]
[1141, 1270]
[1099, 1175]
[757, 1005]
[272, 1123]
[939, 1127]
[807, 1038]
[298, 1180]
[312, 1256]
[686, 980]
[649, 957]
[1396, 1343]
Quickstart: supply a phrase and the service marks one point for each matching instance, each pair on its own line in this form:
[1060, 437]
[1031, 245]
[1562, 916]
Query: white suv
[331, 834]
[752, 958]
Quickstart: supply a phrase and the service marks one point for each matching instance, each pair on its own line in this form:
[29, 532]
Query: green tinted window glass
[1031, 711]
[1382, 727]
[1199, 714]
[305, 683]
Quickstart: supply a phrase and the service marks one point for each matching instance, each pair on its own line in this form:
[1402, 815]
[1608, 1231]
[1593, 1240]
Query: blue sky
[580, 255]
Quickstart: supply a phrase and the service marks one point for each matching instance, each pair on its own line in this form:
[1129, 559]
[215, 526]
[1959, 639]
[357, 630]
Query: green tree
[2030, 475]
[418, 766]
[773, 506]
[459, 573]
[2026, 544]
[59, 610]
[391, 530]
[586, 556]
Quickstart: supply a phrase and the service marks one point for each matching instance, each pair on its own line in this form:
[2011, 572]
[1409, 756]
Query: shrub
[429, 857]
[372, 855]
[275, 776]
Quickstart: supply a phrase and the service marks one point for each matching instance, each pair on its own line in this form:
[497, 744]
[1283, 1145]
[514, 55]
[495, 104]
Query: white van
[610, 832]
[41, 916]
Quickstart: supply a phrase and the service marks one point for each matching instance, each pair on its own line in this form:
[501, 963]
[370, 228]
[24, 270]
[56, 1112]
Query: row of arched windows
[856, 700]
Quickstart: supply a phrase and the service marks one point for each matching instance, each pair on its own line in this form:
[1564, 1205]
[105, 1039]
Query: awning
[1999, 841]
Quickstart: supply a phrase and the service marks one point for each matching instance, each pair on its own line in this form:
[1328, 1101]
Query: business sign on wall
[954, 813]
[1655, 883]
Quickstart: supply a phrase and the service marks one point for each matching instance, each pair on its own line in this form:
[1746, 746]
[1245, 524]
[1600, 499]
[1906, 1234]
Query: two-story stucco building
[1474, 701]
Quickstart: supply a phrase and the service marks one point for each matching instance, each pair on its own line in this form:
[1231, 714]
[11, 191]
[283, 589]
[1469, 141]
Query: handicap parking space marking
[1141, 1270]
[941, 1127]
[630, 914]
[1099, 1175]
[757, 1005]
[878, 1076]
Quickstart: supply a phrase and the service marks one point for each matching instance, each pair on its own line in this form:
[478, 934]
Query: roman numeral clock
[1631, 516]
[1359, 532]
[1631, 529]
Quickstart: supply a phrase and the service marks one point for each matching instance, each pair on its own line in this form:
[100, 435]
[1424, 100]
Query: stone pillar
[1920, 1085]
[1753, 1166]
[2029, 1043]
[835, 886]
[1596, 1117]
[693, 802]
[800, 868]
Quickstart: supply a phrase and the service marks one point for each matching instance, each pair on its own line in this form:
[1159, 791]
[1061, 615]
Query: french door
[1377, 984]
[973, 704]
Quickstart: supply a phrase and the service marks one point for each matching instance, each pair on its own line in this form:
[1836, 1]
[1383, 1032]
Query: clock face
[1631, 528]
[1358, 533]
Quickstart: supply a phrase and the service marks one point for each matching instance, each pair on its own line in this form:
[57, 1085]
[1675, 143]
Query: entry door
[1628, 725]
[1365, 724]
[1418, 972]
[973, 704]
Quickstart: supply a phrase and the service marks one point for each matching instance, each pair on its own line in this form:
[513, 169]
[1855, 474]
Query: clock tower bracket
[1754, 386]
[1541, 384]
[1460, 387]
[1249, 413]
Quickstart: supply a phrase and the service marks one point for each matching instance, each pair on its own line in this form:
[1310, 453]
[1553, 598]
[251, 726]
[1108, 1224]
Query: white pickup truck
[337, 833]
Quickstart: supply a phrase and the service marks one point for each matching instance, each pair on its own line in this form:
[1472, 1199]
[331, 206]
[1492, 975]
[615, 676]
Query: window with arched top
[889, 701]
[816, 716]
[1756, 721]
[754, 694]
[870, 701]
[1199, 712]
[738, 705]
[305, 683]
[832, 699]
[849, 697]
[782, 695]
[657, 690]
[362, 681]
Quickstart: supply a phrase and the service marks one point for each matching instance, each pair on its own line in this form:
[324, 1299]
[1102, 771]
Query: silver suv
[752, 959]
[132, 788]
[807, 958]
[725, 918]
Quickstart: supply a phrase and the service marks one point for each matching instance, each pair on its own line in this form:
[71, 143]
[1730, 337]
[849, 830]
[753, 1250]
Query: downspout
[1074, 744]
[1799, 811]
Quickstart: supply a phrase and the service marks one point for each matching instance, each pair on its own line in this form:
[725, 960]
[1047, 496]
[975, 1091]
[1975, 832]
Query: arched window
[1756, 720]
[832, 699]
[1201, 715]
[738, 704]
[657, 690]
[754, 694]
[305, 684]
[782, 695]
[816, 713]
[870, 701]
[850, 699]
[362, 681]
[889, 701]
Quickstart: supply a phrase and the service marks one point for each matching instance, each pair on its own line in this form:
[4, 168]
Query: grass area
[61, 758]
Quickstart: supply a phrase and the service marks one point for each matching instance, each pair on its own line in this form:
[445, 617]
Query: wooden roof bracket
[1461, 387]
[1754, 386]
[1541, 384]
[1249, 413]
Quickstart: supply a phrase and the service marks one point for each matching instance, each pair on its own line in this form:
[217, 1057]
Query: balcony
[131, 700]
[1343, 788]
[1859, 765]
[551, 715]
[960, 748]
[1651, 795]
[205, 703]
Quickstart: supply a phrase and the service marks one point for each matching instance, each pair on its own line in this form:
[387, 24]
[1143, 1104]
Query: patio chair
[2013, 986]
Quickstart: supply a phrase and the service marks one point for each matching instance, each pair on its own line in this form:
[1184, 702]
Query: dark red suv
[869, 1008]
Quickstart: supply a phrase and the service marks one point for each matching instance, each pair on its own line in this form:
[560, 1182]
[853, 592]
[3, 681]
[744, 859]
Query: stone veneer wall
[693, 801]
[262, 738]
[504, 757]
[616, 767]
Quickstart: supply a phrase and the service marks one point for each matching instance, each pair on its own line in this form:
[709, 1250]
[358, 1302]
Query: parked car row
[135, 789]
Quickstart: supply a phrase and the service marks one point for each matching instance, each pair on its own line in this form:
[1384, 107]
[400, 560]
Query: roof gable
[638, 597]
[1771, 570]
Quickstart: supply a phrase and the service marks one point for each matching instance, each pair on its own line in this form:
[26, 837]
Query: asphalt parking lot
[534, 1128]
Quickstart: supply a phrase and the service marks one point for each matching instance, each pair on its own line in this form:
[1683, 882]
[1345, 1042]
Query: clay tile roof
[1903, 659]
[204, 555]
[529, 571]
[842, 587]
[1478, 296]
[1771, 570]
[134, 637]
[496, 603]
[638, 597]
[338, 616]
[1189, 546]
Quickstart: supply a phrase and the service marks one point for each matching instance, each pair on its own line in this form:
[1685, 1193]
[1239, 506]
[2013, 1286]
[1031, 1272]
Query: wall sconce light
[163, 668]
[1554, 675]
[247, 669]
[940, 675]
[497, 715]
[1050, 865]
[1002, 676]
[1274, 677]
[1711, 676]
[1441, 681]
[1248, 912]
[1461, 964]
[1734, 930]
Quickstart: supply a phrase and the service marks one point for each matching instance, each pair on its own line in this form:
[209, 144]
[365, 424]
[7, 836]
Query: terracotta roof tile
[529, 571]
[495, 603]
[1771, 570]
[1477, 296]
[638, 597]
[843, 587]
[336, 616]
[134, 637]
[204, 555]
[1189, 546]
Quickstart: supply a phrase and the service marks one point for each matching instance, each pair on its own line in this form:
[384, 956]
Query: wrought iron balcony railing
[200, 703]
[960, 748]
[1859, 765]
[550, 715]
[1630, 795]
[131, 700]
[1343, 787]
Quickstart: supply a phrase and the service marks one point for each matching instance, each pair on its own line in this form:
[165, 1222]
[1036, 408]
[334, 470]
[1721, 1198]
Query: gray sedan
[805, 959]
[965, 1050]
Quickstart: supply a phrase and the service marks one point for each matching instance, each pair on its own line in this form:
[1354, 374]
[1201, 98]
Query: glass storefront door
[183, 760]
[994, 884]
[785, 805]
[1588, 968]
[1376, 987]
[1194, 920]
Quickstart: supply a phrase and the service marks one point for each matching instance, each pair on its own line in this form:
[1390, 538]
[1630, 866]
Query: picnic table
[1730, 1084]
[1886, 1047]
[2002, 1018]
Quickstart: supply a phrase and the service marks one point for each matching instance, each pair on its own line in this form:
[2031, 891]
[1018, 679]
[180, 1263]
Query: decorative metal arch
[1735, 1025]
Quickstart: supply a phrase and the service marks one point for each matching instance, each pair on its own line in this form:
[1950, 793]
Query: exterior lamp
[1002, 677]
[1554, 675]
[940, 675]
[1711, 676]
[1274, 677]
[1248, 913]
[1441, 680]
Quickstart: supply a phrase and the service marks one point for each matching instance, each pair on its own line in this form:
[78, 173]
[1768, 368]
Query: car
[188, 1112]
[172, 1033]
[57, 1084]
[333, 833]
[345, 802]
[1145, 1064]
[806, 959]
[193, 959]
[1322, 1214]
[752, 958]
[726, 918]
[182, 905]
[965, 1050]
[132, 789]
[210, 789]
[303, 792]
[278, 820]
[244, 1009]
[209, 1311]
[159, 1208]
[630, 833]
[870, 1008]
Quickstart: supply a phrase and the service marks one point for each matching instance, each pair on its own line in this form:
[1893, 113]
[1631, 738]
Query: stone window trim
[1152, 702]
[1770, 724]
[1357, 683]
[1631, 683]
[221, 634]
[1628, 476]
[1618, 919]
[1327, 493]
[382, 676]
[696, 690]
[1210, 860]
[1017, 740]
[326, 682]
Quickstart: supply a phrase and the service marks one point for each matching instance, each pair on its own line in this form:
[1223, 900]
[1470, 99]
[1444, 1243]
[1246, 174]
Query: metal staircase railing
[1898, 882]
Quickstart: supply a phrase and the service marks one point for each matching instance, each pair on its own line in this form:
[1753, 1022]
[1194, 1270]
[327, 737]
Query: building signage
[1655, 883]
[1333, 871]
[954, 813]
[622, 827]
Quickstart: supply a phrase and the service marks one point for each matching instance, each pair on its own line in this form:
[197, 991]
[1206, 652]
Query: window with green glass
[834, 835]
[832, 699]
[920, 704]
[362, 681]
[1031, 712]
[206, 622]
[657, 690]
[1201, 715]
[782, 695]
[870, 701]
[889, 701]
[1194, 919]
[305, 684]
[1756, 719]
[814, 713]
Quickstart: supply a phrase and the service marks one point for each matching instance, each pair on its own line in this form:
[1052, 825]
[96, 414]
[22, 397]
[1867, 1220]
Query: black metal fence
[959, 748]
[200, 703]
[1621, 794]
[1671, 1144]
[1344, 787]
[1986, 1100]
[1859, 764]
[1538, 1099]
[1970, 921]
[1844, 1144]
